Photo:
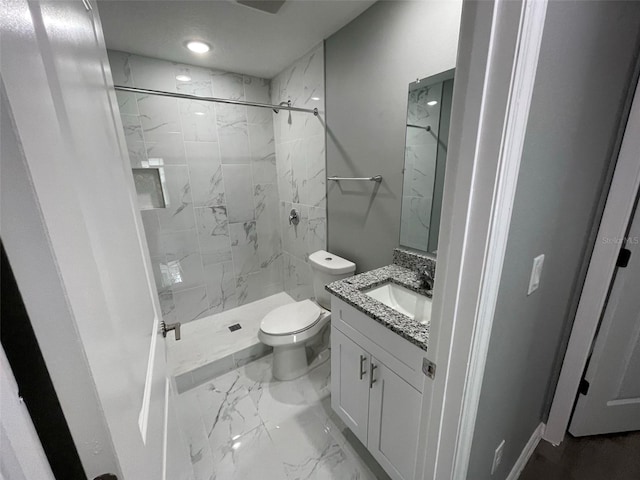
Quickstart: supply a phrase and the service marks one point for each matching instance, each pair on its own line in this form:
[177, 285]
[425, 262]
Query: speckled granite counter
[350, 290]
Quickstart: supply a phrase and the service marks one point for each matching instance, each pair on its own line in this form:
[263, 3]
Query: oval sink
[402, 300]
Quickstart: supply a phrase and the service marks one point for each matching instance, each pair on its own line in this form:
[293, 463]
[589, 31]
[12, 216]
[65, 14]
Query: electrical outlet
[497, 457]
[536, 271]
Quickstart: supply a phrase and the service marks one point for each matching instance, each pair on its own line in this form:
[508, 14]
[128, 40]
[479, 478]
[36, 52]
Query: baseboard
[526, 453]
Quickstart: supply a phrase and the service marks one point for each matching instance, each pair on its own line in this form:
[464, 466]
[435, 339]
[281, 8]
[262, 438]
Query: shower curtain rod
[187, 96]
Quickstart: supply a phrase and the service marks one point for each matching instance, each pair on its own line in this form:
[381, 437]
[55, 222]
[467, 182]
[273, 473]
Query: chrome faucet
[425, 277]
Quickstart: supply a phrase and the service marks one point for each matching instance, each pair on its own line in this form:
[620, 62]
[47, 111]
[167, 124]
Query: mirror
[427, 133]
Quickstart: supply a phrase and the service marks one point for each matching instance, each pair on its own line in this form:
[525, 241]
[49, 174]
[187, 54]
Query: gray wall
[369, 65]
[586, 61]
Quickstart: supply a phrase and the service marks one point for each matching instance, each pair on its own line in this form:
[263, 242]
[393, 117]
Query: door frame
[617, 216]
[495, 75]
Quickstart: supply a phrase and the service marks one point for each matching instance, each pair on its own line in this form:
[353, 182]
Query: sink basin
[401, 299]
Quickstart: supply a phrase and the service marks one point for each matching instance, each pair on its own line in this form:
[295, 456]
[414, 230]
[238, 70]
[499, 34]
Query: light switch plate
[536, 272]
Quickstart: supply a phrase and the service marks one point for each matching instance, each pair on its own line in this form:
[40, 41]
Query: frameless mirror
[427, 133]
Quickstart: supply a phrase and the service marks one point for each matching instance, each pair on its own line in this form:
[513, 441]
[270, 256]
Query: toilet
[290, 328]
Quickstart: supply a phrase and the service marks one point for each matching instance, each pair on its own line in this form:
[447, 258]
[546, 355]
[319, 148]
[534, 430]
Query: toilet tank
[326, 268]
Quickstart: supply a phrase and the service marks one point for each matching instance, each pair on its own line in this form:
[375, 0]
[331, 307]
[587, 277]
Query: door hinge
[428, 368]
[623, 258]
[583, 389]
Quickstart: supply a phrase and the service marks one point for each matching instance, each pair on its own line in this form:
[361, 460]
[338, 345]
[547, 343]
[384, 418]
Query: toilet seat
[291, 319]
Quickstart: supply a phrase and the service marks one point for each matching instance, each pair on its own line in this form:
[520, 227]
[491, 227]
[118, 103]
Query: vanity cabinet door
[394, 418]
[350, 383]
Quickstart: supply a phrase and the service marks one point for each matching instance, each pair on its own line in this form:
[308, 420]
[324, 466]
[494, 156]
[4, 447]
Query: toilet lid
[291, 318]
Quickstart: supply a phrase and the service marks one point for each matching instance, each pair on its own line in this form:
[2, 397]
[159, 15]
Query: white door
[350, 383]
[612, 401]
[56, 75]
[394, 420]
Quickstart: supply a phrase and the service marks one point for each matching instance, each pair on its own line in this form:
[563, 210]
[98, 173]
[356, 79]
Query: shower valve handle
[294, 218]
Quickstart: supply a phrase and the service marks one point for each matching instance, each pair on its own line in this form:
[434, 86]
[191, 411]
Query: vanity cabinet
[377, 387]
[394, 419]
[350, 383]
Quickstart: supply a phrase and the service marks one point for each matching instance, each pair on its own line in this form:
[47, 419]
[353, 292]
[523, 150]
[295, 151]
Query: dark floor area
[603, 457]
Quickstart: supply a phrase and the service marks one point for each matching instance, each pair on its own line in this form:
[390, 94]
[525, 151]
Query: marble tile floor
[208, 348]
[246, 425]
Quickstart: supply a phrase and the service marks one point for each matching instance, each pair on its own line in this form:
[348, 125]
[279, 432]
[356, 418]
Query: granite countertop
[350, 290]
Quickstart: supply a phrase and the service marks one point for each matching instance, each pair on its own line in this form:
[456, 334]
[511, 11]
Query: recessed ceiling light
[315, 98]
[183, 78]
[198, 47]
[200, 114]
[432, 103]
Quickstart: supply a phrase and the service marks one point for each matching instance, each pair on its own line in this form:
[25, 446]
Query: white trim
[498, 58]
[615, 220]
[165, 429]
[526, 453]
[521, 91]
[449, 342]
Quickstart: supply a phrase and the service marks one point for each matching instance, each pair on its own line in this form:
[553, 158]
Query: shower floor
[209, 348]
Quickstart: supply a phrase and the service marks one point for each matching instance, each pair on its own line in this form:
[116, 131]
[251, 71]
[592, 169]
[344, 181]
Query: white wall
[586, 59]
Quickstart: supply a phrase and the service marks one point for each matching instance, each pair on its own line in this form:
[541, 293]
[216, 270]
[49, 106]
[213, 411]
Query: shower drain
[234, 327]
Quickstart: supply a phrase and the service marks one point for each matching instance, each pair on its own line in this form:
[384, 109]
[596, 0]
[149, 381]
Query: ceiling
[243, 39]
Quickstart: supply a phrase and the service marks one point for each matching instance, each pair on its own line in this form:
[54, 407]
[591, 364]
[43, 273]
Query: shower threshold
[214, 345]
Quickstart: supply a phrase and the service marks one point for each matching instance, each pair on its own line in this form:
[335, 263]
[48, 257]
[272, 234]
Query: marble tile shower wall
[218, 244]
[301, 168]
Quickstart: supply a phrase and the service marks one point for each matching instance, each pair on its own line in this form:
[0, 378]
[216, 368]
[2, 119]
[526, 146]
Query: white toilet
[288, 329]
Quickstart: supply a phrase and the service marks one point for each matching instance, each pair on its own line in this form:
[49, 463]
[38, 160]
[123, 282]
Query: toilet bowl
[290, 328]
